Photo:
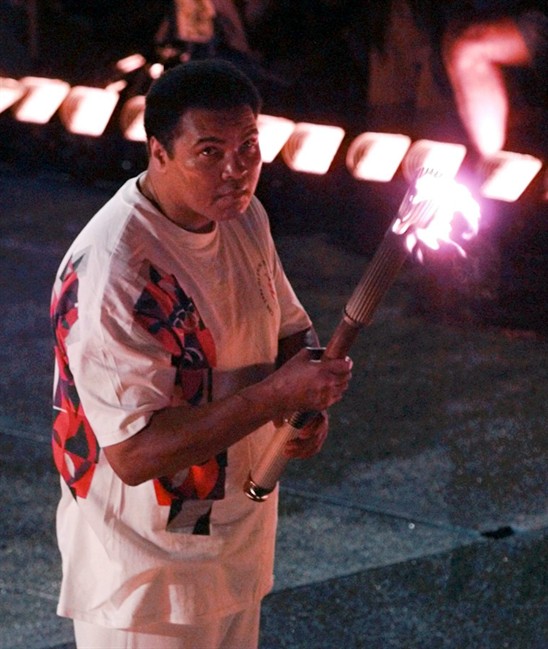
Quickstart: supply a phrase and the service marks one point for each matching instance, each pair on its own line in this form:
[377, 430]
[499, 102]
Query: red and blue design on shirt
[75, 447]
[167, 313]
[171, 316]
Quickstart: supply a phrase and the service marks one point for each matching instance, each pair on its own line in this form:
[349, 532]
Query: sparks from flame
[428, 213]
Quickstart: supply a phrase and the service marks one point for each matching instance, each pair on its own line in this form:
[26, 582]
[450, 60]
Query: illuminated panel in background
[376, 156]
[506, 175]
[10, 92]
[42, 99]
[132, 116]
[87, 111]
[130, 63]
[132, 119]
[305, 147]
[443, 157]
[273, 134]
[312, 147]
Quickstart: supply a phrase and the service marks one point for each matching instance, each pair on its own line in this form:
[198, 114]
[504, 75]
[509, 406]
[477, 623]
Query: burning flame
[427, 213]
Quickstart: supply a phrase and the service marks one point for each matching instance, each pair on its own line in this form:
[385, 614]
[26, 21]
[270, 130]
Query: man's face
[213, 170]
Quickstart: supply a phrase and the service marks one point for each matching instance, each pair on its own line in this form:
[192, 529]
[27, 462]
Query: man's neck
[146, 186]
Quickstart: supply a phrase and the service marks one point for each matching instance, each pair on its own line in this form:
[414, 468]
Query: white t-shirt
[148, 315]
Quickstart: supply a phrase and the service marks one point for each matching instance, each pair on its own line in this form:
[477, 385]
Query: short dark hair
[210, 83]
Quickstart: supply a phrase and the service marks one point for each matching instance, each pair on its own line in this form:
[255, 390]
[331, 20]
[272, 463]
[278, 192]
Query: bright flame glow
[376, 156]
[132, 119]
[443, 157]
[86, 111]
[273, 134]
[312, 147]
[428, 211]
[10, 92]
[43, 98]
[507, 175]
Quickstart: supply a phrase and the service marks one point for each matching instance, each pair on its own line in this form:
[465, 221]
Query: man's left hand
[310, 439]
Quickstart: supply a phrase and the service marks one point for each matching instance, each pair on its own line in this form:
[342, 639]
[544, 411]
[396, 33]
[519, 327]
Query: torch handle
[266, 474]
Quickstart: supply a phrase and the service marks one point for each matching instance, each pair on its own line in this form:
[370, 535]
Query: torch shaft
[417, 210]
[377, 279]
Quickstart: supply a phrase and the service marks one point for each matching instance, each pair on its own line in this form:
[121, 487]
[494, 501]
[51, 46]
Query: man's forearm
[179, 437]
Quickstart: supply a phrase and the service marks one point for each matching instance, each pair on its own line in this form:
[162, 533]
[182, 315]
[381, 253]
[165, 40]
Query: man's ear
[157, 153]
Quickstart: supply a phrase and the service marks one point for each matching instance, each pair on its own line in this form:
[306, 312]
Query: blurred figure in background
[477, 46]
[187, 31]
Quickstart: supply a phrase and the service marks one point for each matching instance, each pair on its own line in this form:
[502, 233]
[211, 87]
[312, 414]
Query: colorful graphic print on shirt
[75, 447]
[170, 315]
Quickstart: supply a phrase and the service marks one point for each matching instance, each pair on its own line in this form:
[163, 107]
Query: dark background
[312, 62]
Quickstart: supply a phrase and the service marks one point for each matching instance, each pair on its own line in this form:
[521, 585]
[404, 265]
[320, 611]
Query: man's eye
[250, 145]
[209, 151]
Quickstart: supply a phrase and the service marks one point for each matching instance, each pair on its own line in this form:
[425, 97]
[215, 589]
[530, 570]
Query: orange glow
[132, 120]
[428, 211]
[312, 147]
[10, 92]
[273, 134]
[86, 111]
[507, 175]
[43, 98]
[376, 156]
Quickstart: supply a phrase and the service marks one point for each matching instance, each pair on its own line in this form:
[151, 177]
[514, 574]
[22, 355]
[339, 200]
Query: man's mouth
[234, 194]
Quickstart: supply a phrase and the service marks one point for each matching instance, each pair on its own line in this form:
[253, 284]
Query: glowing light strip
[273, 134]
[376, 156]
[445, 157]
[132, 120]
[507, 175]
[42, 99]
[304, 147]
[11, 91]
[87, 111]
[130, 63]
[312, 147]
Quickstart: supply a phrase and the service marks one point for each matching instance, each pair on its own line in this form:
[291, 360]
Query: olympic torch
[425, 215]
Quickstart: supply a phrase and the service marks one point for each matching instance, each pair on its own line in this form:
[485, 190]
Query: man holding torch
[178, 343]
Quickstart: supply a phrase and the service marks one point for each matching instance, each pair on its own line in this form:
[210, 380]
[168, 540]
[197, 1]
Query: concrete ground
[422, 524]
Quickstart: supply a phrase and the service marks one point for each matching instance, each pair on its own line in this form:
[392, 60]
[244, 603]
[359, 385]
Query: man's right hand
[305, 384]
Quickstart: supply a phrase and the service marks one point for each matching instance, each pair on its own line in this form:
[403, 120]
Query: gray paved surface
[421, 525]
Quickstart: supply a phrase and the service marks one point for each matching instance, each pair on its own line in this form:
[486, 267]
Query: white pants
[238, 631]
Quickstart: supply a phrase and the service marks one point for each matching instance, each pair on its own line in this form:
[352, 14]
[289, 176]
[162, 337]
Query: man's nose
[235, 167]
